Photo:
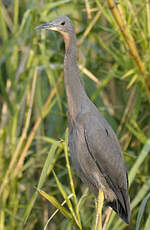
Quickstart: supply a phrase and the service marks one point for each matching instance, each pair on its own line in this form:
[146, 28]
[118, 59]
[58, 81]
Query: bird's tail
[122, 206]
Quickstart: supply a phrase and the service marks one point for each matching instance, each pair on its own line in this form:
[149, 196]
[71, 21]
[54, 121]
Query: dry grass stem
[24, 133]
[89, 28]
[88, 9]
[130, 42]
[134, 17]
[34, 129]
[89, 74]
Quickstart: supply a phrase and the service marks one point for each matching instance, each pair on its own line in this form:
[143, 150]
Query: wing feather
[105, 150]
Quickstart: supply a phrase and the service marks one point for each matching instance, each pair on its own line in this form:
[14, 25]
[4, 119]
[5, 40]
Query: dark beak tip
[38, 28]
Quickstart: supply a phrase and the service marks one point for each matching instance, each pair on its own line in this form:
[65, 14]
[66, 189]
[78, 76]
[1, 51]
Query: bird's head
[61, 24]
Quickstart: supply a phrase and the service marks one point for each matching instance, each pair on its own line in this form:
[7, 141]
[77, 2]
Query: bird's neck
[74, 86]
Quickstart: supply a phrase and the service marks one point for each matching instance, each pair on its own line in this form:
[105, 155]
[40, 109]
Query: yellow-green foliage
[114, 60]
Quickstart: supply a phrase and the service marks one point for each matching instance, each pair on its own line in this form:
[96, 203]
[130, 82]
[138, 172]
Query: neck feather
[74, 86]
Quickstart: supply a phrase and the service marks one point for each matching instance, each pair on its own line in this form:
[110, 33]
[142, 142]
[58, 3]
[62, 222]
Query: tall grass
[114, 60]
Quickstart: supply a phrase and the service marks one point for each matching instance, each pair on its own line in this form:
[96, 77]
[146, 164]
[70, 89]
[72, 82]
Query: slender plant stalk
[131, 43]
[7, 17]
[16, 17]
[100, 200]
[24, 133]
[3, 23]
[28, 143]
[71, 179]
[89, 28]
[135, 18]
[89, 74]
[35, 127]
[148, 20]
[87, 5]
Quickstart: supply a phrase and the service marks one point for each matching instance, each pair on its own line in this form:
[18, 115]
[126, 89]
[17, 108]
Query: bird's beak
[47, 26]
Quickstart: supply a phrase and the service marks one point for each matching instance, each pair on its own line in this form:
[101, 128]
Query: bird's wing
[105, 150]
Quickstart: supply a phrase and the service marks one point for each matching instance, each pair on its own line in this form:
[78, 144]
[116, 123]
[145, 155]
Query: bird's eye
[62, 23]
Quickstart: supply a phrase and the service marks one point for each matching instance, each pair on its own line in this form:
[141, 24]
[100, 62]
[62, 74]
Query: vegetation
[114, 60]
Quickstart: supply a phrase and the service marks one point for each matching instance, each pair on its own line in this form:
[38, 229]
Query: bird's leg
[100, 200]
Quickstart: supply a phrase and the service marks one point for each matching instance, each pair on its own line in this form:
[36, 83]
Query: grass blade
[56, 204]
[48, 162]
[42, 179]
[70, 177]
[141, 211]
[147, 223]
[66, 198]
[139, 161]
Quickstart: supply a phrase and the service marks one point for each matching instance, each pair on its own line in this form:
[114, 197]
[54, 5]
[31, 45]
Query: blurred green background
[114, 60]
